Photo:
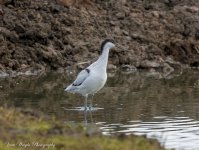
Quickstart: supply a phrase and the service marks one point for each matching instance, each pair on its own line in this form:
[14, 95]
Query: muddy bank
[51, 34]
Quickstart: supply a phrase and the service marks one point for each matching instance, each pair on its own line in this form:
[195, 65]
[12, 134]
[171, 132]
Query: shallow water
[166, 109]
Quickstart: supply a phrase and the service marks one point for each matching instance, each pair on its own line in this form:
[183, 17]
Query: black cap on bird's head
[105, 42]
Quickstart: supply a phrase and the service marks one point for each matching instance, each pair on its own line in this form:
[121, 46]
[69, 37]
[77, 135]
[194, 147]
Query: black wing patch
[87, 70]
[81, 77]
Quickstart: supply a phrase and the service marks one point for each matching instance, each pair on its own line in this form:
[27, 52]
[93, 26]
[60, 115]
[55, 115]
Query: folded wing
[81, 77]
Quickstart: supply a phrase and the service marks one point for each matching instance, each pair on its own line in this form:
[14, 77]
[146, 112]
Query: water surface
[166, 109]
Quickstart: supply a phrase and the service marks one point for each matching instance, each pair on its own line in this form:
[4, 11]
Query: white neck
[103, 59]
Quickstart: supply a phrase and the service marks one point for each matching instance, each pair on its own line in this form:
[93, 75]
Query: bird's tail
[70, 88]
[67, 89]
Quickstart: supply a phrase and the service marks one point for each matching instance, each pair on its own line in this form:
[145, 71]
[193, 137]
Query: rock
[120, 15]
[172, 63]
[149, 64]
[167, 69]
[118, 31]
[67, 30]
[23, 66]
[111, 67]
[3, 74]
[156, 14]
[138, 37]
[114, 23]
[126, 33]
[128, 68]
[193, 9]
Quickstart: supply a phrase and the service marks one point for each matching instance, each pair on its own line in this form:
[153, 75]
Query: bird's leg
[91, 116]
[85, 103]
[85, 118]
[91, 102]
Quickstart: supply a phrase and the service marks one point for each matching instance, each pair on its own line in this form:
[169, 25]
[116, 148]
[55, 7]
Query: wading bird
[90, 80]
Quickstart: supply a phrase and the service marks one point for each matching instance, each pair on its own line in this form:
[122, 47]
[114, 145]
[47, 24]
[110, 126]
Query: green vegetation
[29, 130]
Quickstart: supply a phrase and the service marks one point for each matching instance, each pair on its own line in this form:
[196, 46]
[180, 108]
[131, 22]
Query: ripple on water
[172, 133]
[165, 109]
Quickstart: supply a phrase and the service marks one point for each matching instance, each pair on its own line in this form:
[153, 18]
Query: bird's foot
[85, 108]
[88, 108]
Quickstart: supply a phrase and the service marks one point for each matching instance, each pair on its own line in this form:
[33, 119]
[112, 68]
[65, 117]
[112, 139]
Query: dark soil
[49, 34]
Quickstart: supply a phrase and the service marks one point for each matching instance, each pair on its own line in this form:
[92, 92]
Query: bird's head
[107, 44]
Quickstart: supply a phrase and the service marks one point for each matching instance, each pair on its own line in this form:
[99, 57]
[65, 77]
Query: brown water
[139, 103]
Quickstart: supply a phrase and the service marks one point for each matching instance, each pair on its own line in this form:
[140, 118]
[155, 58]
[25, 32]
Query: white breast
[94, 83]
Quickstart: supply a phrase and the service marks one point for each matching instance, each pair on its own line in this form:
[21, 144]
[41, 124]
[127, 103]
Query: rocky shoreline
[50, 34]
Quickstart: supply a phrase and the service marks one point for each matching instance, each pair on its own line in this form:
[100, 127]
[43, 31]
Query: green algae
[24, 131]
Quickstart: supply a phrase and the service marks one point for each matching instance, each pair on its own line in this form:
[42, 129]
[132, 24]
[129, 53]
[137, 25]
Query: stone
[120, 15]
[150, 64]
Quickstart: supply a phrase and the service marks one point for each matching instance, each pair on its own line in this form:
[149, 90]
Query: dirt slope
[51, 34]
